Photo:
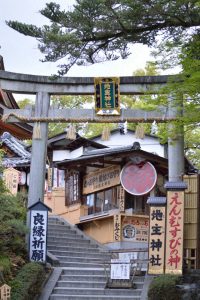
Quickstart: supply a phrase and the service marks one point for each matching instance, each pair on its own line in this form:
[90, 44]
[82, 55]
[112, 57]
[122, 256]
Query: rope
[94, 119]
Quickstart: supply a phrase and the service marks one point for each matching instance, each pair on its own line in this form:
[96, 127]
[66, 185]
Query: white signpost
[38, 232]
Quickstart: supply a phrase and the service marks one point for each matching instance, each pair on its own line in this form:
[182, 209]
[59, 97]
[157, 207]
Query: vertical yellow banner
[174, 232]
[121, 199]
[117, 228]
[156, 240]
[11, 179]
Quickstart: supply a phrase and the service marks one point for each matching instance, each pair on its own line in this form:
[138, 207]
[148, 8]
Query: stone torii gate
[43, 87]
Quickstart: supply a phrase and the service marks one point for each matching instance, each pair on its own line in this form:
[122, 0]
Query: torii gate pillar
[175, 195]
[39, 150]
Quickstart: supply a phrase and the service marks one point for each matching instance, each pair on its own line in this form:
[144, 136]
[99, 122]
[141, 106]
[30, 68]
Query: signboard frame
[107, 96]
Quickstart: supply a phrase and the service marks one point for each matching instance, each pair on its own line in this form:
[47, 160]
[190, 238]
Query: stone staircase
[81, 272]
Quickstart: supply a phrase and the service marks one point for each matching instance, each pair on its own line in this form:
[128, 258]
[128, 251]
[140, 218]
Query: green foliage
[12, 236]
[67, 102]
[5, 268]
[97, 129]
[164, 288]
[102, 30]
[24, 102]
[28, 281]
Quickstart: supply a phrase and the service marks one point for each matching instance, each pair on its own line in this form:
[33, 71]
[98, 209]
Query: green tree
[101, 30]
[24, 102]
[68, 102]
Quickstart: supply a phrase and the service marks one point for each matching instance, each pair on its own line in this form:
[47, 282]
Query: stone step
[81, 283]
[60, 227]
[72, 277]
[85, 271]
[81, 259]
[65, 234]
[74, 244]
[76, 264]
[96, 291]
[60, 239]
[92, 297]
[54, 219]
[73, 247]
[89, 283]
[81, 254]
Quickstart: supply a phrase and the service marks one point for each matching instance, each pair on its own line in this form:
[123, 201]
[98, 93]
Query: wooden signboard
[135, 229]
[156, 240]
[101, 179]
[11, 179]
[107, 96]
[121, 199]
[117, 228]
[174, 232]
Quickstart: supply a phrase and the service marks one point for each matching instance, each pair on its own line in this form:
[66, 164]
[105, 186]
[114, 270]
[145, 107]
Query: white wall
[149, 144]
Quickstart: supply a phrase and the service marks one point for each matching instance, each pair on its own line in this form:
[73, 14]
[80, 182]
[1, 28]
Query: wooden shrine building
[19, 130]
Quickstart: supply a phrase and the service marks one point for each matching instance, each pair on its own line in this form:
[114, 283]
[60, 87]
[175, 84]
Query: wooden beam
[111, 162]
[94, 165]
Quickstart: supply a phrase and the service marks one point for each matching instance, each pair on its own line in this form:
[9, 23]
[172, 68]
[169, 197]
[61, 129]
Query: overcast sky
[21, 55]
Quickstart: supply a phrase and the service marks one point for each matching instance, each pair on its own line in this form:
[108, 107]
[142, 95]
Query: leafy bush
[5, 268]
[27, 283]
[12, 225]
[12, 234]
[164, 288]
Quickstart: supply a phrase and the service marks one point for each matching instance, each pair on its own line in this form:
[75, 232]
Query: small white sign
[38, 235]
[120, 269]
[128, 255]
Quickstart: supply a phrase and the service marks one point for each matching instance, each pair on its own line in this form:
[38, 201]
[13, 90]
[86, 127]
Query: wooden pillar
[38, 152]
[157, 235]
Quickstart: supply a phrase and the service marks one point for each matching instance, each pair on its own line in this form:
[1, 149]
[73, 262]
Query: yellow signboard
[11, 179]
[156, 240]
[101, 179]
[174, 232]
[121, 199]
[117, 228]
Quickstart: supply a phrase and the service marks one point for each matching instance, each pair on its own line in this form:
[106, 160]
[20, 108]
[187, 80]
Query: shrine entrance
[169, 258]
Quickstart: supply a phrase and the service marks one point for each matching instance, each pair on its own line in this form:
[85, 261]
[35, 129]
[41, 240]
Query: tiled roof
[157, 200]
[22, 158]
[15, 162]
[15, 145]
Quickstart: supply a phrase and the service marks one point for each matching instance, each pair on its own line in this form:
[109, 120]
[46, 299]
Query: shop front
[106, 194]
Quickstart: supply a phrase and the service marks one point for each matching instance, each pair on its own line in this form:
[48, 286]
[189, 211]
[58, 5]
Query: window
[137, 203]
[102, 201]
[72, 188]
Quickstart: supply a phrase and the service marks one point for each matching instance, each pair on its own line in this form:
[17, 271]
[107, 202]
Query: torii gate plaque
[44, 87]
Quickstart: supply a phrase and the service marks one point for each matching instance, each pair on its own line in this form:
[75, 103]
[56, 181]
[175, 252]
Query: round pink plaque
[138, 179]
